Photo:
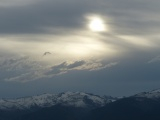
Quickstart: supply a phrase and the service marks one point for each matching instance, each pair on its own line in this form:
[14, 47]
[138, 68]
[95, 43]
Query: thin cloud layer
[155, 59]
[24, 69]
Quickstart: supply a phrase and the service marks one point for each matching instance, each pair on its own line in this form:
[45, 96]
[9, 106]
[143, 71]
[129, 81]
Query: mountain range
[82, 106]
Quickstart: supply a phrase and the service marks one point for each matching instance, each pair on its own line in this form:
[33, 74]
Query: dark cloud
[124, 17]
[37, 17]
[64, 67]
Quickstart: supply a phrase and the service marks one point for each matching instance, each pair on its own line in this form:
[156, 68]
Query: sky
[105, 47]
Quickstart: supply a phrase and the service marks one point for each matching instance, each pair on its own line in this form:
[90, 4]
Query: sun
[96, 24]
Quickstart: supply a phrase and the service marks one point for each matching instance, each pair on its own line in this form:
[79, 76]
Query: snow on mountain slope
[154, 94]
[76, 99]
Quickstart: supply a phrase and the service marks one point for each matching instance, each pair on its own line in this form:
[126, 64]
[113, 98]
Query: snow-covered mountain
[154, 94]
[82, 106]
[75, 99]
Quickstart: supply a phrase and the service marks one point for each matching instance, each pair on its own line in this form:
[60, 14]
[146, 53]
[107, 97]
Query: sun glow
[96, 24]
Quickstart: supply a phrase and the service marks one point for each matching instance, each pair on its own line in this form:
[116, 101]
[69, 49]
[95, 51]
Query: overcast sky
[50, 46]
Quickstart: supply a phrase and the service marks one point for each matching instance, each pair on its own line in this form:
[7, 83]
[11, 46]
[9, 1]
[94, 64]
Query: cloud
[40, 16]
[64, 67]
[9, 3]
[24, 69]
[78, 65]
[123, 17]
[31, 27]
[130, 24]
[105, 66]
[26, 77]
[133, 17]
[155, 59]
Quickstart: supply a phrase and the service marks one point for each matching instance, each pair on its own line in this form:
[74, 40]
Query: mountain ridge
[83, 106]
[76, 99]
